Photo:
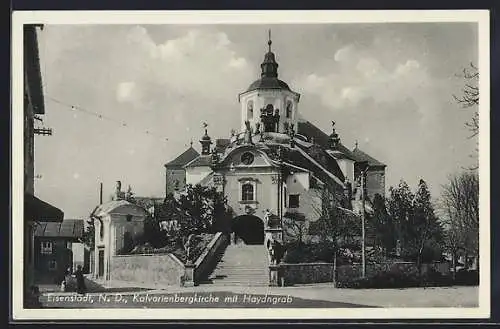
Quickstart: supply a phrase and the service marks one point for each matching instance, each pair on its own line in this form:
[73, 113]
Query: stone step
[242, 265]
[226, 273]
[244, 284]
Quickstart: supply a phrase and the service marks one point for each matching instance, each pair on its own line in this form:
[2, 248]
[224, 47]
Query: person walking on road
[80, 281]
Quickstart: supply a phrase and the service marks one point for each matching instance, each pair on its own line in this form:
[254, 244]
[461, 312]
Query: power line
[100, 116]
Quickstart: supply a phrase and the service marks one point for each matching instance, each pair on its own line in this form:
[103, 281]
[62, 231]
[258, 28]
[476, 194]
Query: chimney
[100, 193]
[118, 192]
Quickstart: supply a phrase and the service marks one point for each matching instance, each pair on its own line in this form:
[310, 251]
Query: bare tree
[295, 226]
[460, 206]
[470, 96]
[470, 99]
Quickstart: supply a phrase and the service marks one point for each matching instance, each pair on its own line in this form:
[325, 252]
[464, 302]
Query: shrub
[200, 243]
[467, 278]
[396, 278]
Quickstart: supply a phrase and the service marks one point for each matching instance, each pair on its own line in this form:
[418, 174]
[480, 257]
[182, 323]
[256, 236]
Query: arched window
[289, 107]
[101, 229]
[250, 110]
[128, 242]
[247, 192]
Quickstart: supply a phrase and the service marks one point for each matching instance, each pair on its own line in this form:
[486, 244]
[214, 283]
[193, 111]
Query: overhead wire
[101, 116]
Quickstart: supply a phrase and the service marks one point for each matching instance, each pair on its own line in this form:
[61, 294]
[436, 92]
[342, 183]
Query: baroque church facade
[277, 164]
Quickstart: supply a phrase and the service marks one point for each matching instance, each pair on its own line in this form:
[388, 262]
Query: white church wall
[195, 174]
[261, 98]
[347, 167]
[265, 193]
[297, 183]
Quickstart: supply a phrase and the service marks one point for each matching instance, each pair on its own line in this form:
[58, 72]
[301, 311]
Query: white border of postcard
[481, 17]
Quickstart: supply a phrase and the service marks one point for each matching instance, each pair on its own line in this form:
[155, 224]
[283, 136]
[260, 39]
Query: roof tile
[189, 155]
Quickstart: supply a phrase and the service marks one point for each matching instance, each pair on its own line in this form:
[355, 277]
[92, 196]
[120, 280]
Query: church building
[277, 163]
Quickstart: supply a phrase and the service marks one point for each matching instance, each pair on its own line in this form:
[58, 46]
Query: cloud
[125, 91]
[198, 62]
[345, 54]
[168, 79]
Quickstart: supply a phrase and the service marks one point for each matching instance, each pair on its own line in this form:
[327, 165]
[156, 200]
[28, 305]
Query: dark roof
[202, 160]
[68, 228]
[362, 156]
[38, 210]
[221, 144]
[309, 130]
[295, 157]
[32, 69]
[147, 202]
[268, 83]
[189, 155]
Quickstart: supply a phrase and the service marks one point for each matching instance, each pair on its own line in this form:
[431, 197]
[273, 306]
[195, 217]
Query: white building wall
[195, 174]
[78, 250]
[261, 98]
[347, 167]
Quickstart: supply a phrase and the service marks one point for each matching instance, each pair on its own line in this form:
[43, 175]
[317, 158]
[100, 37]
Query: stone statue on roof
[248, 133]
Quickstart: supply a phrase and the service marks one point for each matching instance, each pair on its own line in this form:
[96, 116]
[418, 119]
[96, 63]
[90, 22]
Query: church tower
[268, 102]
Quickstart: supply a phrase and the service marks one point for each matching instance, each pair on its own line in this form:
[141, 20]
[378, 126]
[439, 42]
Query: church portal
[249, 228]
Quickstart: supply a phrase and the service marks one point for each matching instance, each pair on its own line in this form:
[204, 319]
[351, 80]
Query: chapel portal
[249, 229]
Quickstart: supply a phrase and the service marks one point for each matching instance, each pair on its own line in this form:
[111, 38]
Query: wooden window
[247, 192]
[293, 201]
[289, 107]
[52, 265]
[101, 230]
[250, 110]
[46, 247]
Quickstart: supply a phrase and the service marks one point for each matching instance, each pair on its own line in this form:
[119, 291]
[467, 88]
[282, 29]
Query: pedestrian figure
[80, 281]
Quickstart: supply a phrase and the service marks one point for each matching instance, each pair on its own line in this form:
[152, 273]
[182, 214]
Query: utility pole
[363, 252]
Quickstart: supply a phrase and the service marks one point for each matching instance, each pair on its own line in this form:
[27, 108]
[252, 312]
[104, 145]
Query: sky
[388, 86]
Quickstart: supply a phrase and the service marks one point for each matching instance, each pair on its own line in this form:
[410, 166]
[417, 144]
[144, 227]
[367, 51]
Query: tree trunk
[335, 269]
[454, 264]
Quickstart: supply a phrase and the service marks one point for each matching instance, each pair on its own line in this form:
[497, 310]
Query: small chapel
[277, 164]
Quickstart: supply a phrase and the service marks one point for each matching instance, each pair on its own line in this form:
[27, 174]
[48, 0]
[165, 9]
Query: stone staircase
[241, 265]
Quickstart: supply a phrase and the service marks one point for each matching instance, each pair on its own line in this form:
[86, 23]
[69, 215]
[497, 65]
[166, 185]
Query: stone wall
[207, 261]
[306, 273]
[345, 272]
[164, 269]
[375, 182]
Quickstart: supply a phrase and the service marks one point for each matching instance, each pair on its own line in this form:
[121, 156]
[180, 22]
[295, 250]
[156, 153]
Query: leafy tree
[417, 227]
[89, 232]
[425, 228]
[383, 225]
[401, 210]
[205, 206]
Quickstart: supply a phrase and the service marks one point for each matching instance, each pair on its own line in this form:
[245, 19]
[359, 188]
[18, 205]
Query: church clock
[247, 158]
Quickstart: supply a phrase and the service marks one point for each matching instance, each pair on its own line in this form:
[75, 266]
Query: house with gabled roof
[58, 247]
[175, 173]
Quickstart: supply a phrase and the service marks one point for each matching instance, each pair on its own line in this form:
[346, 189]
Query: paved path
[303, 296]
